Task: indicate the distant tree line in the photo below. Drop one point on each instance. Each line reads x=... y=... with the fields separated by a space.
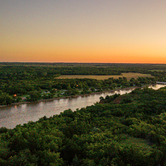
x=32 y=79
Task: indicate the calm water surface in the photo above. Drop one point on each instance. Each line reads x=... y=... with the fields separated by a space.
x=20 y=114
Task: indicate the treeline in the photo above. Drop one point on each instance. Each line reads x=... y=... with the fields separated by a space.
x=41 y=88
x=159 y=75
x=120 y=130
x=34 y=81
x=22 y=71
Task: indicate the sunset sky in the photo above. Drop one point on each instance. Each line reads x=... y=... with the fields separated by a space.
x=106 y=31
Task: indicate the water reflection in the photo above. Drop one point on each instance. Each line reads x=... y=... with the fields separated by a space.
x=20 y=114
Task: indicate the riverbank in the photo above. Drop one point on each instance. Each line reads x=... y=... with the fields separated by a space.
x=75 y=96
x=68 y=97
x=13 y=115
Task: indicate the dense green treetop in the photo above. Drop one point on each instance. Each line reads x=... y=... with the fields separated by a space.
x=118 y=131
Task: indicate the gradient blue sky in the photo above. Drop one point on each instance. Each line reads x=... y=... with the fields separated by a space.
x=115 y=31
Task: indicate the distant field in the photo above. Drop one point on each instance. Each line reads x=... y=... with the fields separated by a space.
x=103 y=77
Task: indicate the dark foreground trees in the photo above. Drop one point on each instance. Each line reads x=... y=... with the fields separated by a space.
x=119 y=131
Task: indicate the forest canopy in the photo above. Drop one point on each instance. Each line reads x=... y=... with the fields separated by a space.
x=120 y=130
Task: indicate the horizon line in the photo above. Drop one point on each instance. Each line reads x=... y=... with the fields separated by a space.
x=86 y=62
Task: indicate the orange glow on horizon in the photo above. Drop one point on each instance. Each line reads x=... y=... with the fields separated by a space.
x=122 y=55
x=83 y=31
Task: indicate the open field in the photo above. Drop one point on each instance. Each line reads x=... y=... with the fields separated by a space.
x=103 y=77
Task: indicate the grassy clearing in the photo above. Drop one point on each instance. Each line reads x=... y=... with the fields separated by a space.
x=103 y=77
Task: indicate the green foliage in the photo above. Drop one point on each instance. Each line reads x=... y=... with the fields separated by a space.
x=5 y=99
x=34 y=96
x=23 y=79
x=104 y=134
x=118 y=131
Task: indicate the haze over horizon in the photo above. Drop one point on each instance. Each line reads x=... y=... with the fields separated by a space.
x=116 y=31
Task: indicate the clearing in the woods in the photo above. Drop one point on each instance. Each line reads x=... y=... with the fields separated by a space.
x=103 y=77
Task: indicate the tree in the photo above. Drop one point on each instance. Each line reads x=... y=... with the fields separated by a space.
x=34 y=96
x=5 y=99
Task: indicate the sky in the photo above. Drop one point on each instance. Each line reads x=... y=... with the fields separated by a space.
x=98 y=31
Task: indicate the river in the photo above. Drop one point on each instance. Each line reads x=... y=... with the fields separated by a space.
x=20 y=114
